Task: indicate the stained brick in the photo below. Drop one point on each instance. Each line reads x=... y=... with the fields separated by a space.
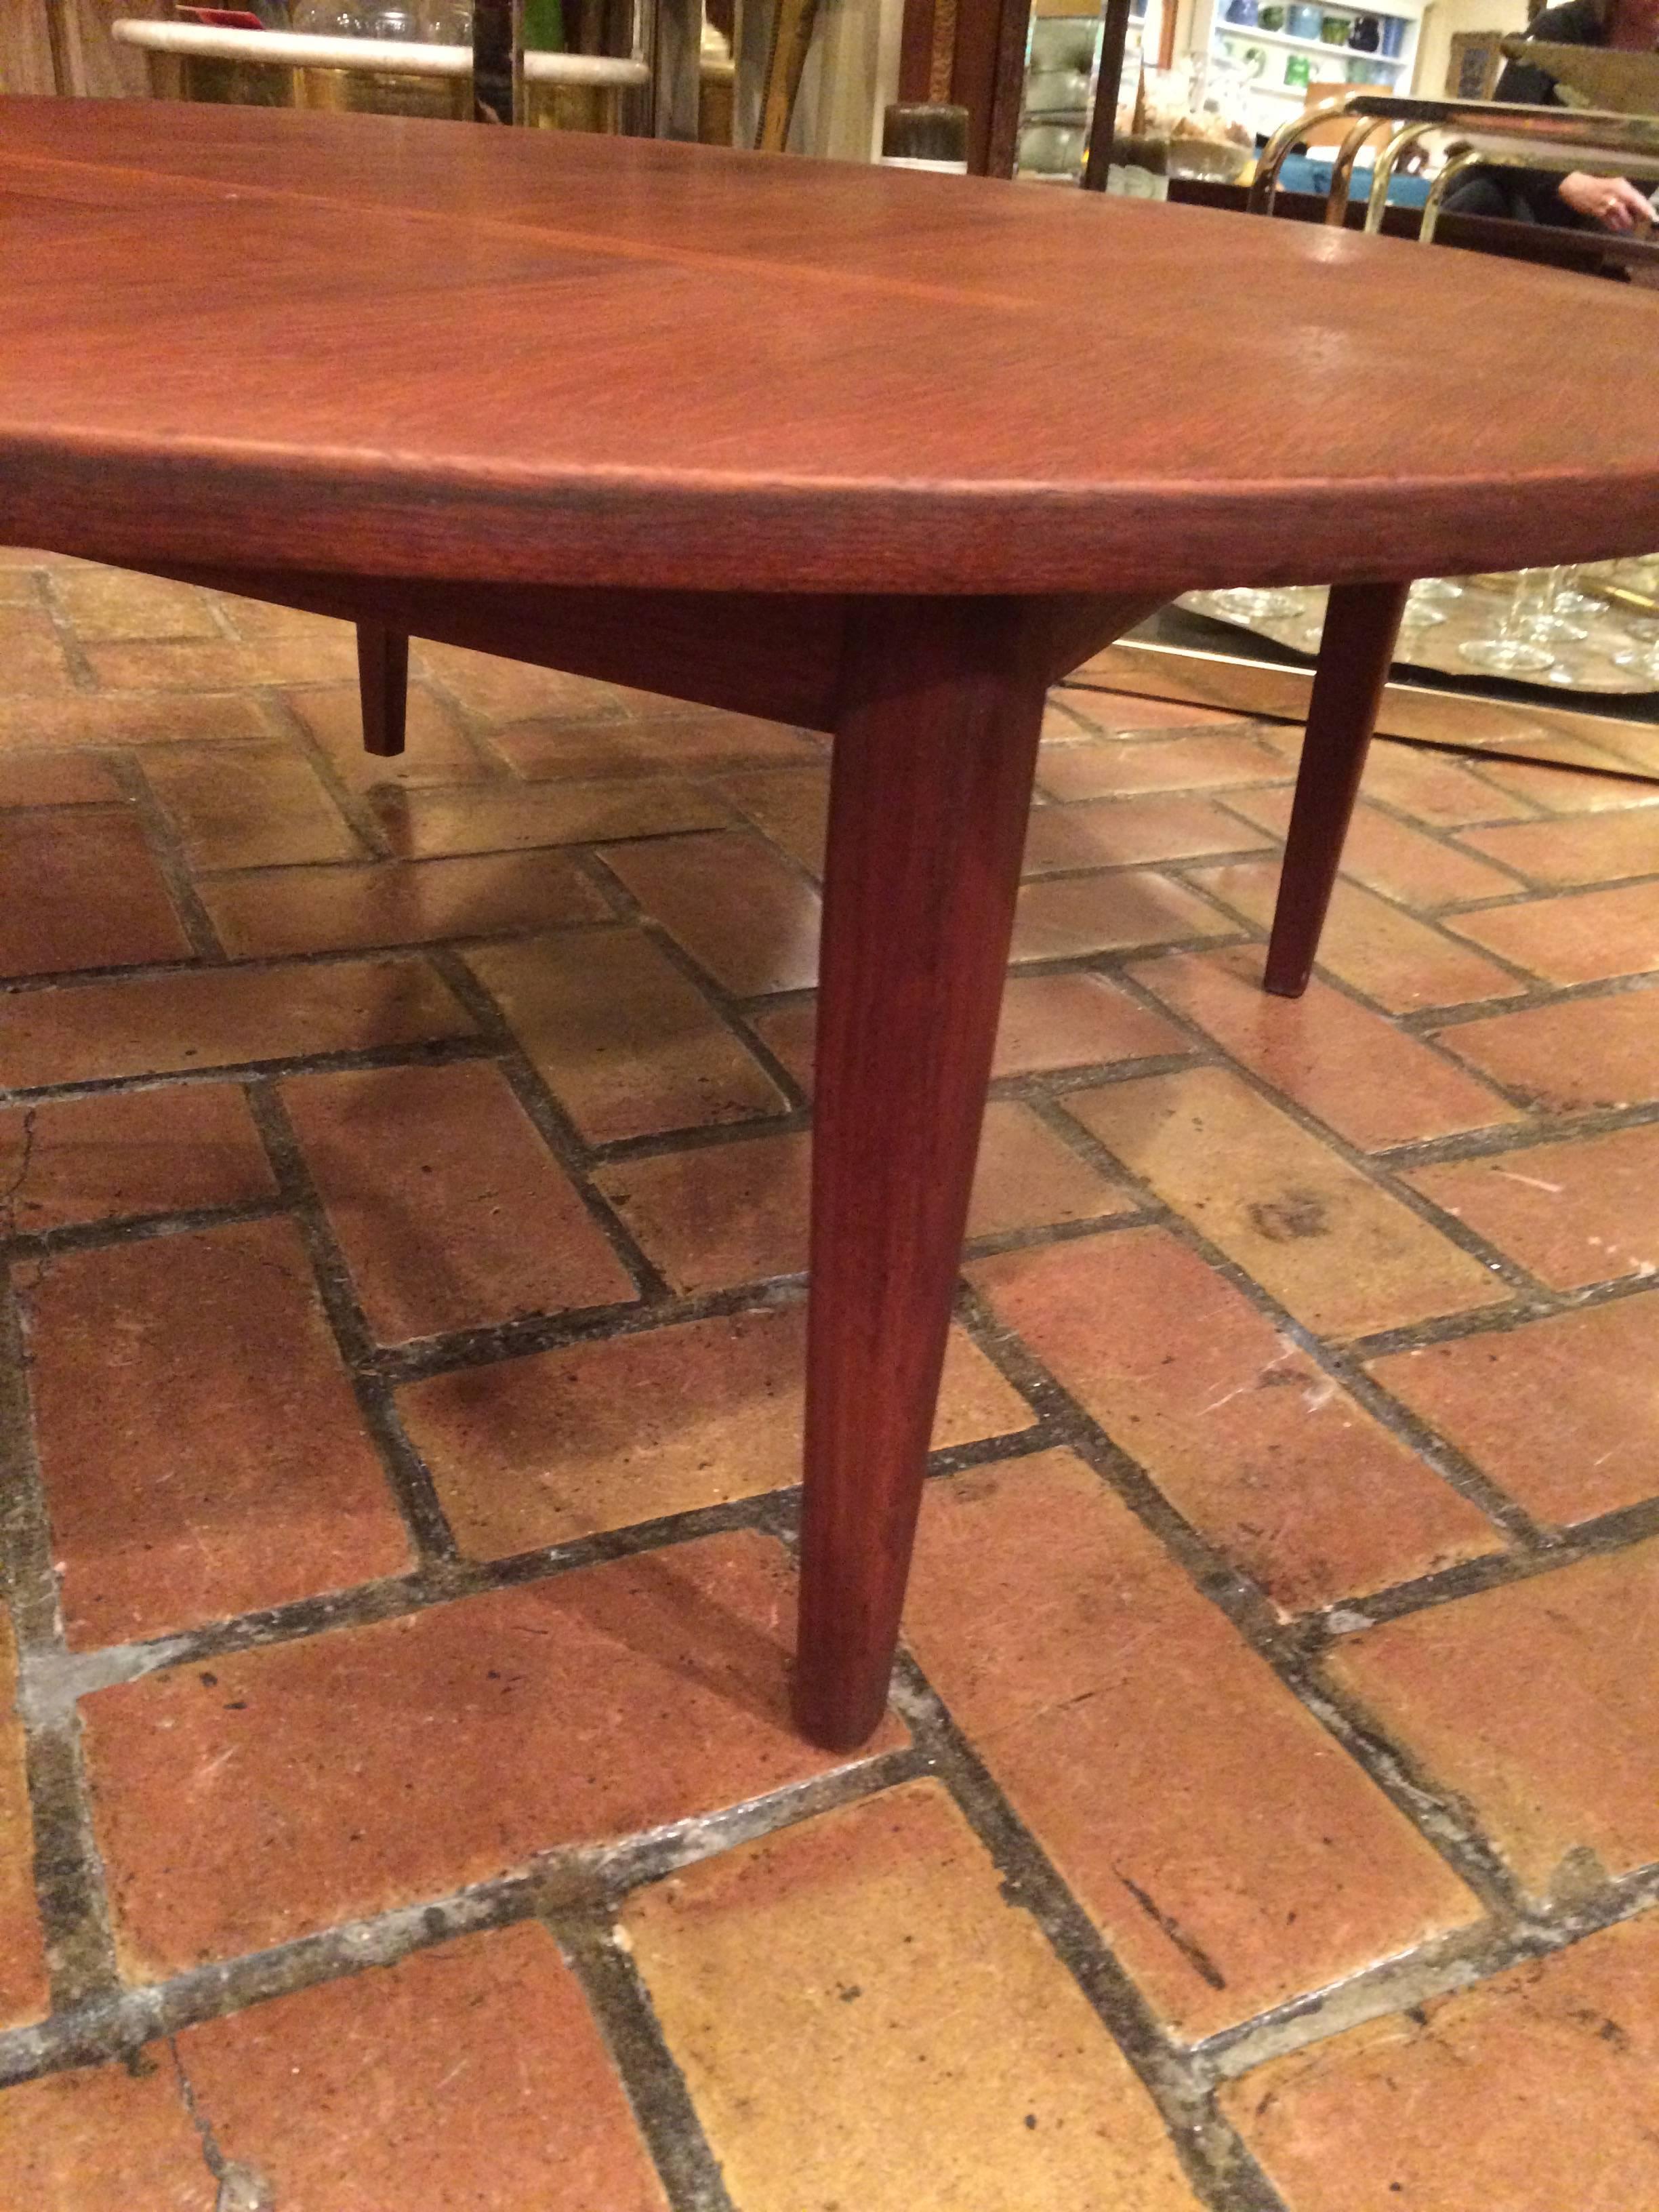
x=1376 y=947
x=200 y=1447
x=737 y=908
x=1536 y=1704
x=1563 y=1413
x=341 y=1774
x=1535 y=2091
x=1270 y=1458
x=1575 y=1054
x=1575 y=1213
x=123 y=1153
x=1343 y=1255
x=905 y=2037
x=1237 y=1858
x=248 y=806
x=386 y=902
x=86 y=893
x=474 y=2066
x=1370 y=1081
x=450 y=1209
x=537 y=1451
x=23 y=1992
x=167 y=1024
x=627 y=1045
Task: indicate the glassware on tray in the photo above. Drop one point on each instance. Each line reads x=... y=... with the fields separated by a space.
x=1513 y=650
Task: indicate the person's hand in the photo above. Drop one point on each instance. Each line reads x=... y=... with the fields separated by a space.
x=1613 y=202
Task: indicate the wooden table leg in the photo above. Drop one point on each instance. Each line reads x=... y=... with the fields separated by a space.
x=1361 y=625
x=383 y=683
x=933 y=761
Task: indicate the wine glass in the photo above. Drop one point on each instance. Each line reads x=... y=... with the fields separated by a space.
x=1251 y=603
x=1512 y=652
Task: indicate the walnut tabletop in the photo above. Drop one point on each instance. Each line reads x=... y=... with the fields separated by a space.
x=879 y=453
x=556 y=357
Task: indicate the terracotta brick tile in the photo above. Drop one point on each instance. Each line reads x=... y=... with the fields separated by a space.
x=1051 y=1022
x=1434 y=788
x=738 y=1213
x=1096 y=771
x=1578 y=938
x=117 y=603
x=1563 y=790
x=438 y=751
x=217 y=664
x=450 y=1209
x=199 y=1444
x=904 y=2037
x=1344 y=1256
x=675 y=744
x=1241 y=1431
x=1574 y=1055
x=737 y=908
x=123 y=1153
x=20 y=587
x=1028 y=1178
x=1371 y=1082
x=131 y=719
x=1534 y=2091
x=1067 y=915
x=1576 y=1213
x=514 y=690
x=388 y=902
x=23 y=1992
x=475 y=2066
x=248 y=806
x=32 y=656
x=1237 y=1858
x=178 y=1023
x=1582 y=848
x=343 y=1774
x=320 y=655
x=107 y=2139
x=790 y=1030
x=1536 y=1702
x=628 y=1046
x=536 y=1450
x=1379 y=949
x=511 y=690
x=792 y=805
x=722 y=1214
x=1105 y=833
x=94 y=898
x=1048 y=1021
x=497 y=817
x=256 y=620
x=1113 y=713
x=56 y=780
x=1563 y=1413
x=1391 y=857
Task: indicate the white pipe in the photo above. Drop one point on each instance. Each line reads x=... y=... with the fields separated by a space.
x=394 y=57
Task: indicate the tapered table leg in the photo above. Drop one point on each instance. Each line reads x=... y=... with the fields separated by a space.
x=933 y=760
x=1361 y=625
x=383 y=683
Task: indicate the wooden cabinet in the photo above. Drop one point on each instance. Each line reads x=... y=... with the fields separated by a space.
x=64 y=45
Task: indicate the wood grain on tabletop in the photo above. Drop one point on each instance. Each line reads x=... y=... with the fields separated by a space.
x=242 y=335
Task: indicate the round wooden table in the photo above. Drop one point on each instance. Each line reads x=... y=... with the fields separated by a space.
x=879 y=453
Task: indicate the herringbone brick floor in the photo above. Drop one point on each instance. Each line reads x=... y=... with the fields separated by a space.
x=403 y=1167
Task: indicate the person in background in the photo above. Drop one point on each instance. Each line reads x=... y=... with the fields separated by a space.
x=1576 y=201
